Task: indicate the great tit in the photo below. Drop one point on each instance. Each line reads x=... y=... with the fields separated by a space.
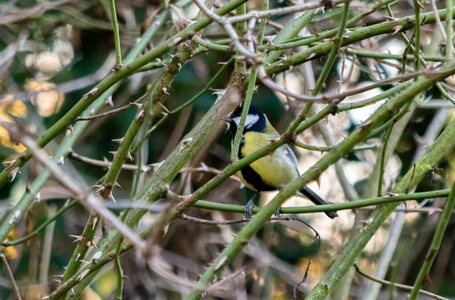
x=271 y=172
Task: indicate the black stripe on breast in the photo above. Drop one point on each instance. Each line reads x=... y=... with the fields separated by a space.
x=252 y=177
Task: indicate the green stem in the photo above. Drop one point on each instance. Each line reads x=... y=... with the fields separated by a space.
x=71 y=116
x=420 y=58
x=359 y=240
x=241 y=27
x=395 y=264
x=92 y=224
x=211 y=46
x=41 y=227
x=119 y=269
x=391 y=56
x=118 y=48
x=417 y=33
x=435 y=244
x=360 y=134
x=449 y=31
x=323 y=48
x=15 y=214
x=193 y=99
x=383 y=95
x=263 y=25
x=383 y=160
x=108 y=256
x=156 y=186
x=83 y=245
x=334 y=51
x=330 y=60
x=121 y=155
x=392 y=121
x=329 y=207
x=385 y=282
x=144 y=113
x=305 y=41
x=328 y=148
x=237 y=165
x=290 y=30
x=246 y=108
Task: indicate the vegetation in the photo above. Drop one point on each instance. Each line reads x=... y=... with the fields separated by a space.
x=118 y=178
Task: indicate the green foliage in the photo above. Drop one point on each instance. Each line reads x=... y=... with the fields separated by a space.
x=130 y=108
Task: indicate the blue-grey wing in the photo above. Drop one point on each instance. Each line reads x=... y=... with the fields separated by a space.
x=292 y=156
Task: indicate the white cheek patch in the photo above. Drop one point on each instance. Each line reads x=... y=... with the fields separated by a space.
x=249 y=122
x=236 y=120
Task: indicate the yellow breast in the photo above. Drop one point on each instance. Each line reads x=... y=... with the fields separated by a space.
x=276 y=169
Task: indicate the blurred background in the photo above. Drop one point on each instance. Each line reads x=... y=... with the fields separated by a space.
x=53 y=52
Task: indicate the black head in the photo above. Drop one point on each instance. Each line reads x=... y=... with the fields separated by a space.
x=255 y=120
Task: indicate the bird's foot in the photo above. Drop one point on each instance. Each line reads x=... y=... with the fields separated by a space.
x=278 y=212
x=249 y=207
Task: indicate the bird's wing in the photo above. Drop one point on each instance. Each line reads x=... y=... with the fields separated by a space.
x=292 y=156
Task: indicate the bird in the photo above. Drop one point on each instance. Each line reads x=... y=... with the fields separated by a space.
x=271 y=172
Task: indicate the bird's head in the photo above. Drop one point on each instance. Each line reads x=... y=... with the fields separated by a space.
x=256 y=120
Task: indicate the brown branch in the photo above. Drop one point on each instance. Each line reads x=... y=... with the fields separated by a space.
x=398 y=285
x=11 y=276
x=111 y=112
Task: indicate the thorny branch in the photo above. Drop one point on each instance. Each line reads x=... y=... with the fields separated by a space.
x=246 y=46
x=78 y=190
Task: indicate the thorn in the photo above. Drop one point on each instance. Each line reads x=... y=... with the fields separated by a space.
x=8 y=163
x=69 y=128
x=99 y=188
x=77 y=238
x=95 y=220
x=15 y=216
x=140 y=116
x=111 y=197
x=90 y=93
x=14 y=173
x=119 y=141
x=390 y=19
x=397 y=29
x=365 y=125
x=109 y=101
x=204 y=167
x=165 y=228
x=91 y=244
x=184 y=142
x=391 y=195
x=364 y=224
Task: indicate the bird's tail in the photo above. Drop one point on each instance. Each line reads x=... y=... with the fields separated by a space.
x=317 y=200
